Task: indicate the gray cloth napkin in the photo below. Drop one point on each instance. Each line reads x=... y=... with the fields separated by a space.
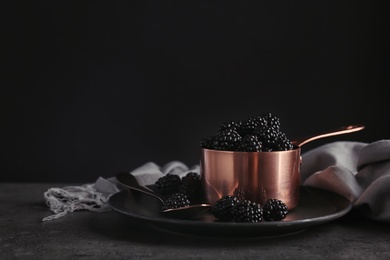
x=358 y=171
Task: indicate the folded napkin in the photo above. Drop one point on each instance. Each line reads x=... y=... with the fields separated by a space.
x=358 y=171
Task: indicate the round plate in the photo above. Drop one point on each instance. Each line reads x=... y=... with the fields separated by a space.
x=315 y=207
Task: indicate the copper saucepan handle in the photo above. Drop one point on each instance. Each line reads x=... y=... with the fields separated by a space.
x=339 y=131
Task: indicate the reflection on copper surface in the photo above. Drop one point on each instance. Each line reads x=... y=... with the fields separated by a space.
x=256 y=176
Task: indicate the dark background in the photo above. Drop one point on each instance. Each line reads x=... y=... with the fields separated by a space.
x=89 y=88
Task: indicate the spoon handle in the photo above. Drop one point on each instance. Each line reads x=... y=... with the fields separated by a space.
x=129 y=181
x=339 y=131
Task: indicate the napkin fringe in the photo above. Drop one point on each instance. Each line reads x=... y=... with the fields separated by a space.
x=72 y=198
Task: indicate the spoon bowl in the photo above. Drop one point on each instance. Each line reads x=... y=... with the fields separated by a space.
x=129 y=181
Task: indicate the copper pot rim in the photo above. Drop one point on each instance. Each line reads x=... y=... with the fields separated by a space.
x=295 y=149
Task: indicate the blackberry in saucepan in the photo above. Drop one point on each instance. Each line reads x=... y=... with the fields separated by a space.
x=247 y=211
x=261 y=121
x=268 y=137
x=273 y=121
x=223 y=208
x=283 y=143
x=227 y=140
x=234 y=125
x=190 y=184
x=208 y=143
x=168 y=184
x=266 y=127
x=274 y=210
x=176 y=200
x=250 y=143
x=248 y=126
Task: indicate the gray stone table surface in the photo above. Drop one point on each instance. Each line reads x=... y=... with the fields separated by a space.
x=110 y=235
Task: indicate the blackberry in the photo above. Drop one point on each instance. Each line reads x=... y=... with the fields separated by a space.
x=248 y=126
x=227 y=140
x=234 y=125
x=190 y=184
x=242 y=193
x=274 y=210
x=176 y=200
x=208 y=143
x=261 y=121
x=272 y=121
x=250 y=143
x=223 y=208
x=268 y=137
x=247 y=211
x=168 y=184
x=283 y=143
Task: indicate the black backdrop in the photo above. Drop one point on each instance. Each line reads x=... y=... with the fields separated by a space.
x=90 y=88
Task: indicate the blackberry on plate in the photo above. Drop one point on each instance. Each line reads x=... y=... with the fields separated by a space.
x=191 y=184
x=176 y=200
x=250 y=143
x=274 y=210
x=247 y=211
x=242 y=193
x=223 y=208
x=168 y=184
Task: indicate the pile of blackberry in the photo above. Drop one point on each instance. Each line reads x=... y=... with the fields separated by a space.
x=178 y=192
x=232 y=208
x=260 y=133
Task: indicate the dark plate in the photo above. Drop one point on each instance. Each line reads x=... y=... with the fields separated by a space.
x=315 y=207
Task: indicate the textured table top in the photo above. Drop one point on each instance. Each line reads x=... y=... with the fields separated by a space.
x=110 y=235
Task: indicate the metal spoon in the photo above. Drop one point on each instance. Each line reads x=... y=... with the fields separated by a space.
x=129 y=181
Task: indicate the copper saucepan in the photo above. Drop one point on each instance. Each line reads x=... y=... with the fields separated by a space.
x=258 y=176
